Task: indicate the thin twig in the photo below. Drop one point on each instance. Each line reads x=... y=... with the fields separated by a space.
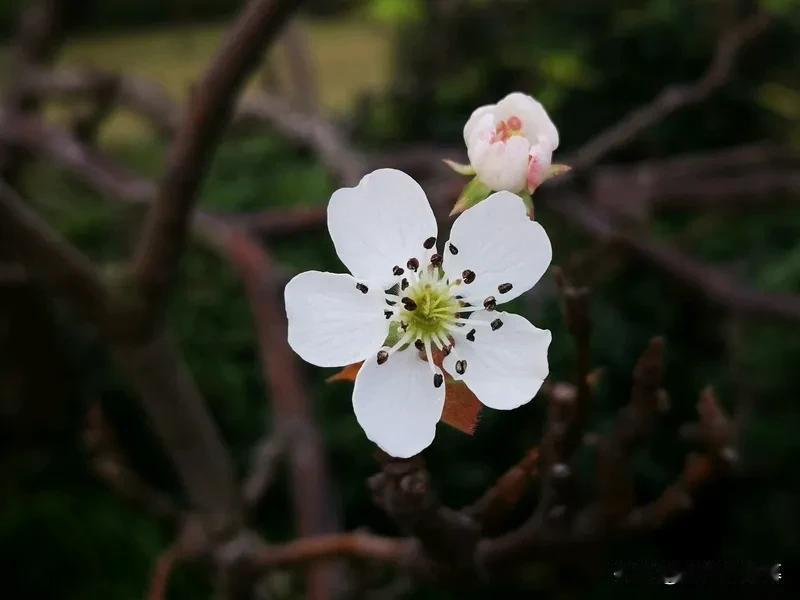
x=673 y=97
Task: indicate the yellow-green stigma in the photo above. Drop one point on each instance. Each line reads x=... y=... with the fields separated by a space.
x=429 y=309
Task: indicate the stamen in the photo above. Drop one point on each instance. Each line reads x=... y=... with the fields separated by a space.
x=453 y=249
x=397 y=271
x=471 y=335
x=436 y=259
x=404 y=284
x=490 y=303
x=362 y=288
x=461 y=366
x=496 y=324
x=468 y=276
x=504 y=288
x=419 y=344
x=438 y=380
x=429 y=243
x=383 y=356
x=412 y=264
x=409 y=304
x=388 y=314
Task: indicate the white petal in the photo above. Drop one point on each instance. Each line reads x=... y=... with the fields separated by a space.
x=504 y=368
x=499 y=243
x=478 y=120
x=500 y=165
x=380 y=224
x=535 y=120
x=331 y=323
x=397 y=404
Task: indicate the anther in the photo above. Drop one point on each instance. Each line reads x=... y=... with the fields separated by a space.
x=383 y=356
x=404 y=284
x=504 y=288
x=419 y=345
x=408 y=303
x=496 y=324
x=429 y=243
x=438 y=380
x=468 y=276
x=471 y=335
x=453 y=249
x=397 y=271
x=446 y=350
x=461 y=366
x=388 y=314
x=490 y=303
x=412 y=264
x=362 y=288
x=436 y=259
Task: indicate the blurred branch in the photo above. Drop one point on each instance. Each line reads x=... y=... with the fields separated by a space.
x=325 y=139
x=266 y=456
x=710 y=281
x=399 y=551
x=64 y=149
x=110 y=465
x=37 y=37
x=42 y=249
x=163 y=239
x=498 y=501
x=672 y=97
x=292 y=406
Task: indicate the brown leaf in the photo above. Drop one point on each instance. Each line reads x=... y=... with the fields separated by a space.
x=348 y=373
x=461 y=407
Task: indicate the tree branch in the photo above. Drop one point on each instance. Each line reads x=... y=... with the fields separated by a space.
x=672 y=97
x=163 y=239
x=46 y=252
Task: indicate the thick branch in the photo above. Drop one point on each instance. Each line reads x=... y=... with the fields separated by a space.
x=178 y=414
x=164 y=236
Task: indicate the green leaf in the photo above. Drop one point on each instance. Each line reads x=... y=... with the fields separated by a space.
x=473 y=192
x=459 y=168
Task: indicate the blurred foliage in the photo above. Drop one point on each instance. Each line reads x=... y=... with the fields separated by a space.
x=589 y=63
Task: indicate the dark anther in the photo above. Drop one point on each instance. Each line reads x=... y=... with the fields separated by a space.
x=468 y=276
x=419 y=345
x=490 y=303
x=362 y=288
x=471 y=335
x=413 y=264
x=429 y=243
x=391 y=302
x=438 y=380
x=496 y=324
x=403 y=325
x=453 y=249
x=404 y=284
x=397 y=271
x=436 y=259
x=504 y=288
x=383 y=356
x=408 y=303
x=446 y=350
x=461 y=366
x=388 y=314
x=459 y=297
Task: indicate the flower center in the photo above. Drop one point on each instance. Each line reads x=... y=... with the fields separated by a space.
x=507 y=129
x=429 y=308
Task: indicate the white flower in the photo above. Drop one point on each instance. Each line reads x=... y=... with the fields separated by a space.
x=510 y=144
x=405 y=300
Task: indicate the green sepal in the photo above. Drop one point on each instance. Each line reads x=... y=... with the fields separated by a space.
x=473 y=192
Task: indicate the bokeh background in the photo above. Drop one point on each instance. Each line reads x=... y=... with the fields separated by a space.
x=398 y=74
